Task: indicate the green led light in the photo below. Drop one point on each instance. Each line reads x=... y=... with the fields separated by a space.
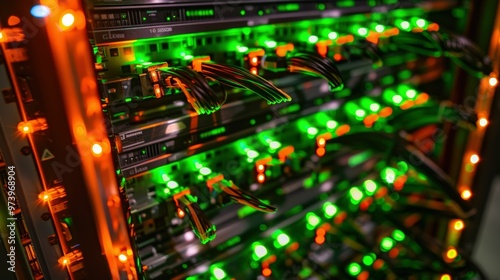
x=188 y=57
x=243 y=12
x=421 y=22
x=356 y=194
x=379 y=28
x=388 y=174
x=128 y=99
x=398 y=235
x=165 y=178
x=205 y=171
x=374 y=107
x=312 y=219
x=362 y=31
x=360 y=113
x=333 y=35
x=252 y=154
x=397 y=99
x=283 y=239
x=386 y=244
x=172 y=185
x=242 y=49
x=288 y=7
x=403 y=166
x=260 y=251
x=313 y=39
x=368 y=260
x=411 y=93
x=405 y=24
x=321 y=7
x=330 y=209
x=370 y=186
x=274 y=145
x=271 y=44
x=312 y=131
x=354 y=269
x=331 y=124
x=261 y=13
x=219 y=273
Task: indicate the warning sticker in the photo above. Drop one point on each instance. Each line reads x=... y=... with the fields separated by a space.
x=47 y=155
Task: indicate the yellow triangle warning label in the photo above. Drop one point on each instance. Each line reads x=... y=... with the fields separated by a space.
x=47 y=155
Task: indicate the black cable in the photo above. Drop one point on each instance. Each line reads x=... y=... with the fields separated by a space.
x=239 y=77
x=315 y=65
x=420 y=116
x=240 y=196
x=201 y=225
x=195 y=87
x=397 y=146
x=364 y=48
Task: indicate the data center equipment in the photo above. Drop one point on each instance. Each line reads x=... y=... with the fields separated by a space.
x=155 y=139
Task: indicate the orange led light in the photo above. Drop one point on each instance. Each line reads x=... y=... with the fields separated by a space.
x=445 y=277
x=253 y=70
x=1 y=35
x=25 y=127
x=321 y=142
x=180 y=213
x=320 y=232
x=266 y=272
x=466 y=194
x=493 y=81
x=68 y=19
x=122 y=258
x=458 y=225
x=63 y=261
x=97 y=150
x=320 y=152
x=319 y=239
x=260 y=167
x=261 y=178
x=483 y=122
x=474 y=159
x=451 y=253
x=254 y=61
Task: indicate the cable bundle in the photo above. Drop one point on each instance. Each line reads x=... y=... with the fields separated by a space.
x=464 y=53
x=459 y=49
x=426 y=115
x=418 y=42
x=364 y=48
x=240 y=196
x=239 y=77
x=195 y=87
x=200 y=224
x=396 y=146
x=315 y=65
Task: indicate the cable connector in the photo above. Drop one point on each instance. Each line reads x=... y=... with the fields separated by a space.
x=197 y=61
x=221 y=185
x=274 y=63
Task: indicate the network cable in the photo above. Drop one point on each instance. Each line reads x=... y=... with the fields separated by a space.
x=201 y=225
x=242 y=197
x=239 y=77
x=307 y=64
x=195 y=87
